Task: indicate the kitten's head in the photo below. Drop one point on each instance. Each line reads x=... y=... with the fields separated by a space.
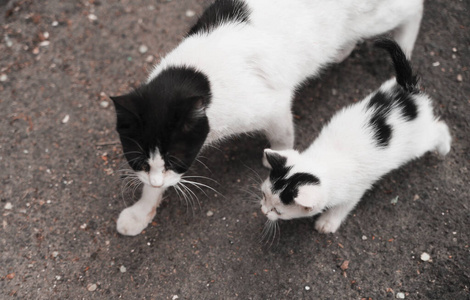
x=290 y=191
x=163 y=124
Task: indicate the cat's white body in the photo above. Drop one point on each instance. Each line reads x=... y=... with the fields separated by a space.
x=255 y=67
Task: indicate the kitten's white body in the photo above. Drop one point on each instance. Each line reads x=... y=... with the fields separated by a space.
x=255 y=67
x=348 y=161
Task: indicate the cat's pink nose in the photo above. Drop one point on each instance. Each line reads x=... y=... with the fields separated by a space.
x=156 y=180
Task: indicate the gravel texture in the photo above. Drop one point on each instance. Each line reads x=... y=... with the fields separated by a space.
x=61 y=192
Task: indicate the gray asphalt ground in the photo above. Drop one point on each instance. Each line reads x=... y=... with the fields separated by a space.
x=61 y=192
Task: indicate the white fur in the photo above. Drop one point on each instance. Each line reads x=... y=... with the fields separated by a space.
x=347 y=160
x=254 y=68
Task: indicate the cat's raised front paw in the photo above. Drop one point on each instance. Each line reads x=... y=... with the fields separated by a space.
x=133 y=220
x=327 y=224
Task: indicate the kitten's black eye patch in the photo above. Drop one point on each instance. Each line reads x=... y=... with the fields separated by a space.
x=289 y=187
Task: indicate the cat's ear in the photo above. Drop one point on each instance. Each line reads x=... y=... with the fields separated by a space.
x=125 y=103
x=198 y=105
x=127 y=112
x=310 y=196
x=275 y=159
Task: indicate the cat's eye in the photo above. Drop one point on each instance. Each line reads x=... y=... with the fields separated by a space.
x=145 y=167
x=275 y=210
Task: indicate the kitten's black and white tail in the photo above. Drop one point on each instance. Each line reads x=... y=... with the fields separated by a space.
x=404 y=72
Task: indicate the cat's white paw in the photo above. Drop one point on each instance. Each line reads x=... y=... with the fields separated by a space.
x=133 y=220
x=327 y=224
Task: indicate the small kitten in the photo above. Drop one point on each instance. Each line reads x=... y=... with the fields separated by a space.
x=236 y=71
x=362 y=143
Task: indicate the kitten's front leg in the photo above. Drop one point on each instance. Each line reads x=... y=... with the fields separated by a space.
x=135 y=218
x=330 y=220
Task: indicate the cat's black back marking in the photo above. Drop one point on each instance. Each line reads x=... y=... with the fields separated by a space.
x=165 y=114
x=400 y=97
x=288 y=186
x=219 y=12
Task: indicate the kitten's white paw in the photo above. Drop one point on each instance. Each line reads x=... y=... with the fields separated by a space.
x=327 y=224
x=133 y=220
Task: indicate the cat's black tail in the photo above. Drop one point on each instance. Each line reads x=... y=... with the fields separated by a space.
x=404 y=72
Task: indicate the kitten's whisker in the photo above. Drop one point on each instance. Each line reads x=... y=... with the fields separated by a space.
x=256 y=173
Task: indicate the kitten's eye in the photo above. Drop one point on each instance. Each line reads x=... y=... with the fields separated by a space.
x=307 y=209
x=275 y=210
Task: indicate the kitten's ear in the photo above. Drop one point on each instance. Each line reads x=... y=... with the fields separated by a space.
x=125 y=103
x=310 y=196
x=275 y=159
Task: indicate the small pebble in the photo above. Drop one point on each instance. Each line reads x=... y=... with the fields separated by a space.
x=36 y=51
x=454 y=49
x=104 y=104
x=143 y=49
x=55 y=23
x=334 y=92
x=122 y=269
x=364 y=238
x=174 y=297
x=149 y=59
x=65 y=119
x=44 y=43
x=190 y=13
x=92 y=287
x=400 y=295
x=425 y=256
x=210 y=213
x=83 y=226
x=436 y=64
x=307 y=288
x=92 y=17
x=55 y=253
x=3 y=77
x=30 y=266
x=46 y=35
x=8 y=41
x=8 y=206
x=459 y=77
x=58 y=277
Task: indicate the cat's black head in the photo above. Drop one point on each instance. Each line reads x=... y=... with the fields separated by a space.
x=163 y=124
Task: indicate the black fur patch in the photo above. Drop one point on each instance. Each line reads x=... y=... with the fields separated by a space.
x=167 y=114
x=403 y=70
x=289 y=187
x=383 y=104
x=219 y=12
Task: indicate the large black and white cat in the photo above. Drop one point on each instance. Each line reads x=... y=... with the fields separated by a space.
x=236 y=71
x=361 y=143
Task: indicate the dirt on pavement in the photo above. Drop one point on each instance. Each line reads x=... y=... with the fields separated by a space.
x=61 y=191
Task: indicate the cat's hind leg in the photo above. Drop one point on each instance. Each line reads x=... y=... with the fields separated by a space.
x=344 y=52
x=406 y=33
x=135 y=218
x=444 y=138
x=280 y=134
